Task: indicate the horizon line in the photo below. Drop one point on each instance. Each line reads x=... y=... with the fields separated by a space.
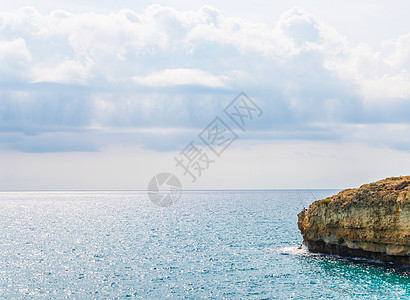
x=145 y=190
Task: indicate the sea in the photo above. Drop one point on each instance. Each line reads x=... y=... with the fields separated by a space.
x=222 y=244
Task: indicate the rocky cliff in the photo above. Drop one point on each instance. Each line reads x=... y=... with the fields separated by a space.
x=372 y=221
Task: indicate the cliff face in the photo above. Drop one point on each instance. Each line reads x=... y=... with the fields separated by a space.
x=372 y=221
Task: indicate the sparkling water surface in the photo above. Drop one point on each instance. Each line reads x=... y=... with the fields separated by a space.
x=211 y=244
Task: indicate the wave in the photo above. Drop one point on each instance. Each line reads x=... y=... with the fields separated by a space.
x=293 y=250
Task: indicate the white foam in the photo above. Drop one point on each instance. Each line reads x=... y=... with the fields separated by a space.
x=293 y=250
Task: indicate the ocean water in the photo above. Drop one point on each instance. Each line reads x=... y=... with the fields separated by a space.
x=211 y=244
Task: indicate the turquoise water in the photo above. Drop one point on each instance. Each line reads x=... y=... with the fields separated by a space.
x=211 y=244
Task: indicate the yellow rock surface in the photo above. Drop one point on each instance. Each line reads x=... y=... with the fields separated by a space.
x=372 y=221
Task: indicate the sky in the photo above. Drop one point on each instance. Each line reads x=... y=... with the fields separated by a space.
x=104 y=95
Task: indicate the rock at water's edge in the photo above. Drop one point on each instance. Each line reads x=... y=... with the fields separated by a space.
x=372 y=221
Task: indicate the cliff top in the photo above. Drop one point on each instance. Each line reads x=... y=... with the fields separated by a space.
x=389 y=189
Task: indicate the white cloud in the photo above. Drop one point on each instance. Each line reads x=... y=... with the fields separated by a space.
x=15 y=60
x=14 y=50
x=386 y=86
x=300 y=70
x=380 y=74
x=171 y=77
x=210 y=26
x=67 y=72
x=176 y=47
